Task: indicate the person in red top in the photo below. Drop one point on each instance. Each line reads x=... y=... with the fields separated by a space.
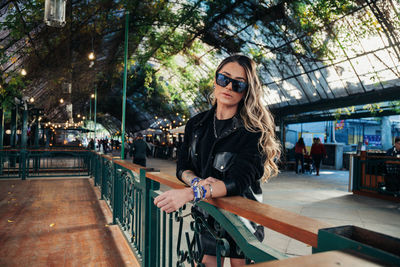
x=317 y=152
x=299 y=151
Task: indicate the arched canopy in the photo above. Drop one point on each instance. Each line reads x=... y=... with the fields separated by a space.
x=313 y=55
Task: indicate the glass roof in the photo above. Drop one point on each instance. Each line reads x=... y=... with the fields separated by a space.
x=310 y=53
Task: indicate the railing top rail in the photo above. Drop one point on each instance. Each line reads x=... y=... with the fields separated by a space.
x=58 y=150
x=47 y=150
x=128 y=164
x=376 y=157
x=291 y=224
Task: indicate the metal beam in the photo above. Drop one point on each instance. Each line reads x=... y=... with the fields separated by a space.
x=330 y=117
x=387 y=94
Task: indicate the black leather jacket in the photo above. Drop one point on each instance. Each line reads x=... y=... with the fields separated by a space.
x=234 y=157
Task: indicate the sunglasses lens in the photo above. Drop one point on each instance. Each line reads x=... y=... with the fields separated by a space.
x=237 y=86
x=222 y=80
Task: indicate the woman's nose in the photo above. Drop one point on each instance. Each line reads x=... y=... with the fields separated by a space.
x=229 y=86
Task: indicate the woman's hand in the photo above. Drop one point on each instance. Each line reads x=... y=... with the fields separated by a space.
x=172 y=200
x=209 y=180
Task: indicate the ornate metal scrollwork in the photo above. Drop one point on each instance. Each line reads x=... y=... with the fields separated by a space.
x=127 y=201
x=200 y=225
x=109 y=180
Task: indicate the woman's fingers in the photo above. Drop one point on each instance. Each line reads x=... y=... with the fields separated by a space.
x=211 y=180
x=171 y=200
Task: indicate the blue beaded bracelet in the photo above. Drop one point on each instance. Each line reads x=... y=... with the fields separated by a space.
x=199 y=193
x=195 y=181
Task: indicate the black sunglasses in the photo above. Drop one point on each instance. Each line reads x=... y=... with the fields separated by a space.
x=237 y=86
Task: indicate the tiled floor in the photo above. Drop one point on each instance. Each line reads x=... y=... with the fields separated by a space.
x=325 y=198
x=58 y=222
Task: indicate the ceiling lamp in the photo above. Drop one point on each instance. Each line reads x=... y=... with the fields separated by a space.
x=91 y=56
x=54 y=12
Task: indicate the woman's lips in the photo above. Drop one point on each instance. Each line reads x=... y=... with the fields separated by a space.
x=226 y=95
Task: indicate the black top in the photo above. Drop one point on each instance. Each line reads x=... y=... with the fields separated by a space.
x=139 y=149
x=233 y=157
x=220 y=127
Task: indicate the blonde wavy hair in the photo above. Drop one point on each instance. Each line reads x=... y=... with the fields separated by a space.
x=256 y=117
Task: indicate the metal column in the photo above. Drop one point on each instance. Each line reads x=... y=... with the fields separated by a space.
x=24 y=132
x=125 y=84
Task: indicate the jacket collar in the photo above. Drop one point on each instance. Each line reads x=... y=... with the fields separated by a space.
x=237 y=121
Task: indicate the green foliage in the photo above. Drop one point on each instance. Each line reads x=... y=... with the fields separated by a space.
x=395 y=105
x=373 y=108
x=10 y=89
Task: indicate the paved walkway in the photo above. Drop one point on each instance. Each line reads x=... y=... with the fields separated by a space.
x=58 y=222
x=325 y=198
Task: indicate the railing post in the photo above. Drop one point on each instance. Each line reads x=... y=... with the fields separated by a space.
x=24 y=132
x=1 y=138
x=13 y=136
x=103 y=178
x=151 y=225
x=22 y=163
x=117 y=194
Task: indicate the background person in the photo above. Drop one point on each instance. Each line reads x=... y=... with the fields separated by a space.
x=392 y=175
x=395 y=150
x=139 y=150
x=317 y=153
x=299 y=152
x=227 y=150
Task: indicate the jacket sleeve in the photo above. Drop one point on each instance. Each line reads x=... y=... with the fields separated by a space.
x=248 y=167
x=183 y=160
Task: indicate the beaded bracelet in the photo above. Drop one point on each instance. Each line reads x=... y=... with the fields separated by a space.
x=199 y=193
x=195 y=181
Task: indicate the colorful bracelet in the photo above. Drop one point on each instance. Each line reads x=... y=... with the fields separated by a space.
x=195 y=181
x=199 y=193
x=210 y=189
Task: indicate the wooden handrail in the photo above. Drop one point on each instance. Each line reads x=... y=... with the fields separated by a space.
x=47 y=150
x=291 y=224
x=128 y=164
x=288 y=223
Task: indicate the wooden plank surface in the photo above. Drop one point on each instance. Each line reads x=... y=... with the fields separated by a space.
x=325 y=259
x=58 y=222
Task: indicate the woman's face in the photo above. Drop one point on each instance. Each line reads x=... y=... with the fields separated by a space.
x=225 y=95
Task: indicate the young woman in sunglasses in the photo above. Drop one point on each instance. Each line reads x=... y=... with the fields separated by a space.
x=227 y=150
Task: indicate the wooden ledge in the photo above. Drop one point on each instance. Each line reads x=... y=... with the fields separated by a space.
x=129 y=165
x=166 y=179
x=296 y=226
x=327 y=259
x=291 y=224
x=106 y=156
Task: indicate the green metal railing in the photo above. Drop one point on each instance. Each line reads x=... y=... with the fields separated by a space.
x=160 y=239
x=9 y=163
x=21 y=163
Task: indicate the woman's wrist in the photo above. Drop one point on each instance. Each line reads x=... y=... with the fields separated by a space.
x=189 y=194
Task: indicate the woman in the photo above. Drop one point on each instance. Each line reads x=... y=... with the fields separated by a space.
x=231 y=147
x=317 y=152
x=299 y=152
